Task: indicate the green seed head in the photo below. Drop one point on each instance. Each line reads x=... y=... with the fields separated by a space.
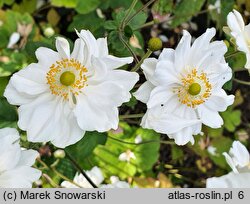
x=67 y=78
x=155 y=44
x=194 y=89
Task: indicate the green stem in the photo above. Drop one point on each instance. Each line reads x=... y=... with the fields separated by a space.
x=138 y=65
x=131 y=116
x=123 y=23
x=139 y=10
x=65 y=178
x=231 y=54
x=79 y=169
x=128 y=47
x=141 y=143
x=50 y=181
x=150 y=23
x=242 y=82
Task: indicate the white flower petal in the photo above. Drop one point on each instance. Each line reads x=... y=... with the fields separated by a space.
x=62 y=46
x=219 y=101
x=210 y=117
x=14 y=38
x=182 y=51
x=78 y=51
x=230 y=180
x=46 y=57
x=143 y=93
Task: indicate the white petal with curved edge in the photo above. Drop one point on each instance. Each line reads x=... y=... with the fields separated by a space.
x=125 y=79
x=78 y=51
x=159 y=95
x=182 y=51
x=14 y=38
x=183 y=136
x=20 y=177
x=30 y=80
x=230 y=162
x=46 y=57
x=62 y=46
x=148 y=66
x=14 y=97
x=200 y=44
x=209 y=117
x=240 y=154
x=167 y=54
x=28 y=157
x=235 y=22
x=102 y=44
x=166 y=73
x=101 y=118
x=219 y=101
x=113 y=62
x=230 y=180
x=143 y=93
x=166 y=123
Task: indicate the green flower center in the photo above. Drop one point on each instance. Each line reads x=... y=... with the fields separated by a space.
x=67 y=78
x=194 y=89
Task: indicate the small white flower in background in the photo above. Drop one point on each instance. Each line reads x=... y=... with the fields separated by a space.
x=217 y=6
x=238 y=159
x=14 y=38
x=127 y=156
x=241 y=33
x=95 y=174
x=138 y=139
x=64 y=95
x=15 y=163
x=116 y=183
x=212 y=150
x=1 y=23
x=184 y=88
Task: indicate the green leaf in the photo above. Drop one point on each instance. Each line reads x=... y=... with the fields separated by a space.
x=185 y=10
x=3 y=83
x=221 y=17
x=232 y=119
x=8 y=114
x=218 y=158
x=66 y=168
x=176 y=152
x=86 y=145
x=86 y=21
x=110 y=25
x=86 y=6
x=65 y=3
x=163 y=6
x=28 y=6
x=107 y=156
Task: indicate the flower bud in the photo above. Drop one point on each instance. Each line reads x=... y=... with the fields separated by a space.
x=155 y=44
x=59 y=154
x=48 y=32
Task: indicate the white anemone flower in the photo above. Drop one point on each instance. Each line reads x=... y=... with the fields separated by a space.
x=15 y=163
x=64 y=95
x=116 y=183
x=95 y=174
x=239 y=160
x=241 y=33
x=184 y=88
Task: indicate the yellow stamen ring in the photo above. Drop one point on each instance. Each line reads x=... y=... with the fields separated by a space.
x=67 y=76
x=195 y=89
